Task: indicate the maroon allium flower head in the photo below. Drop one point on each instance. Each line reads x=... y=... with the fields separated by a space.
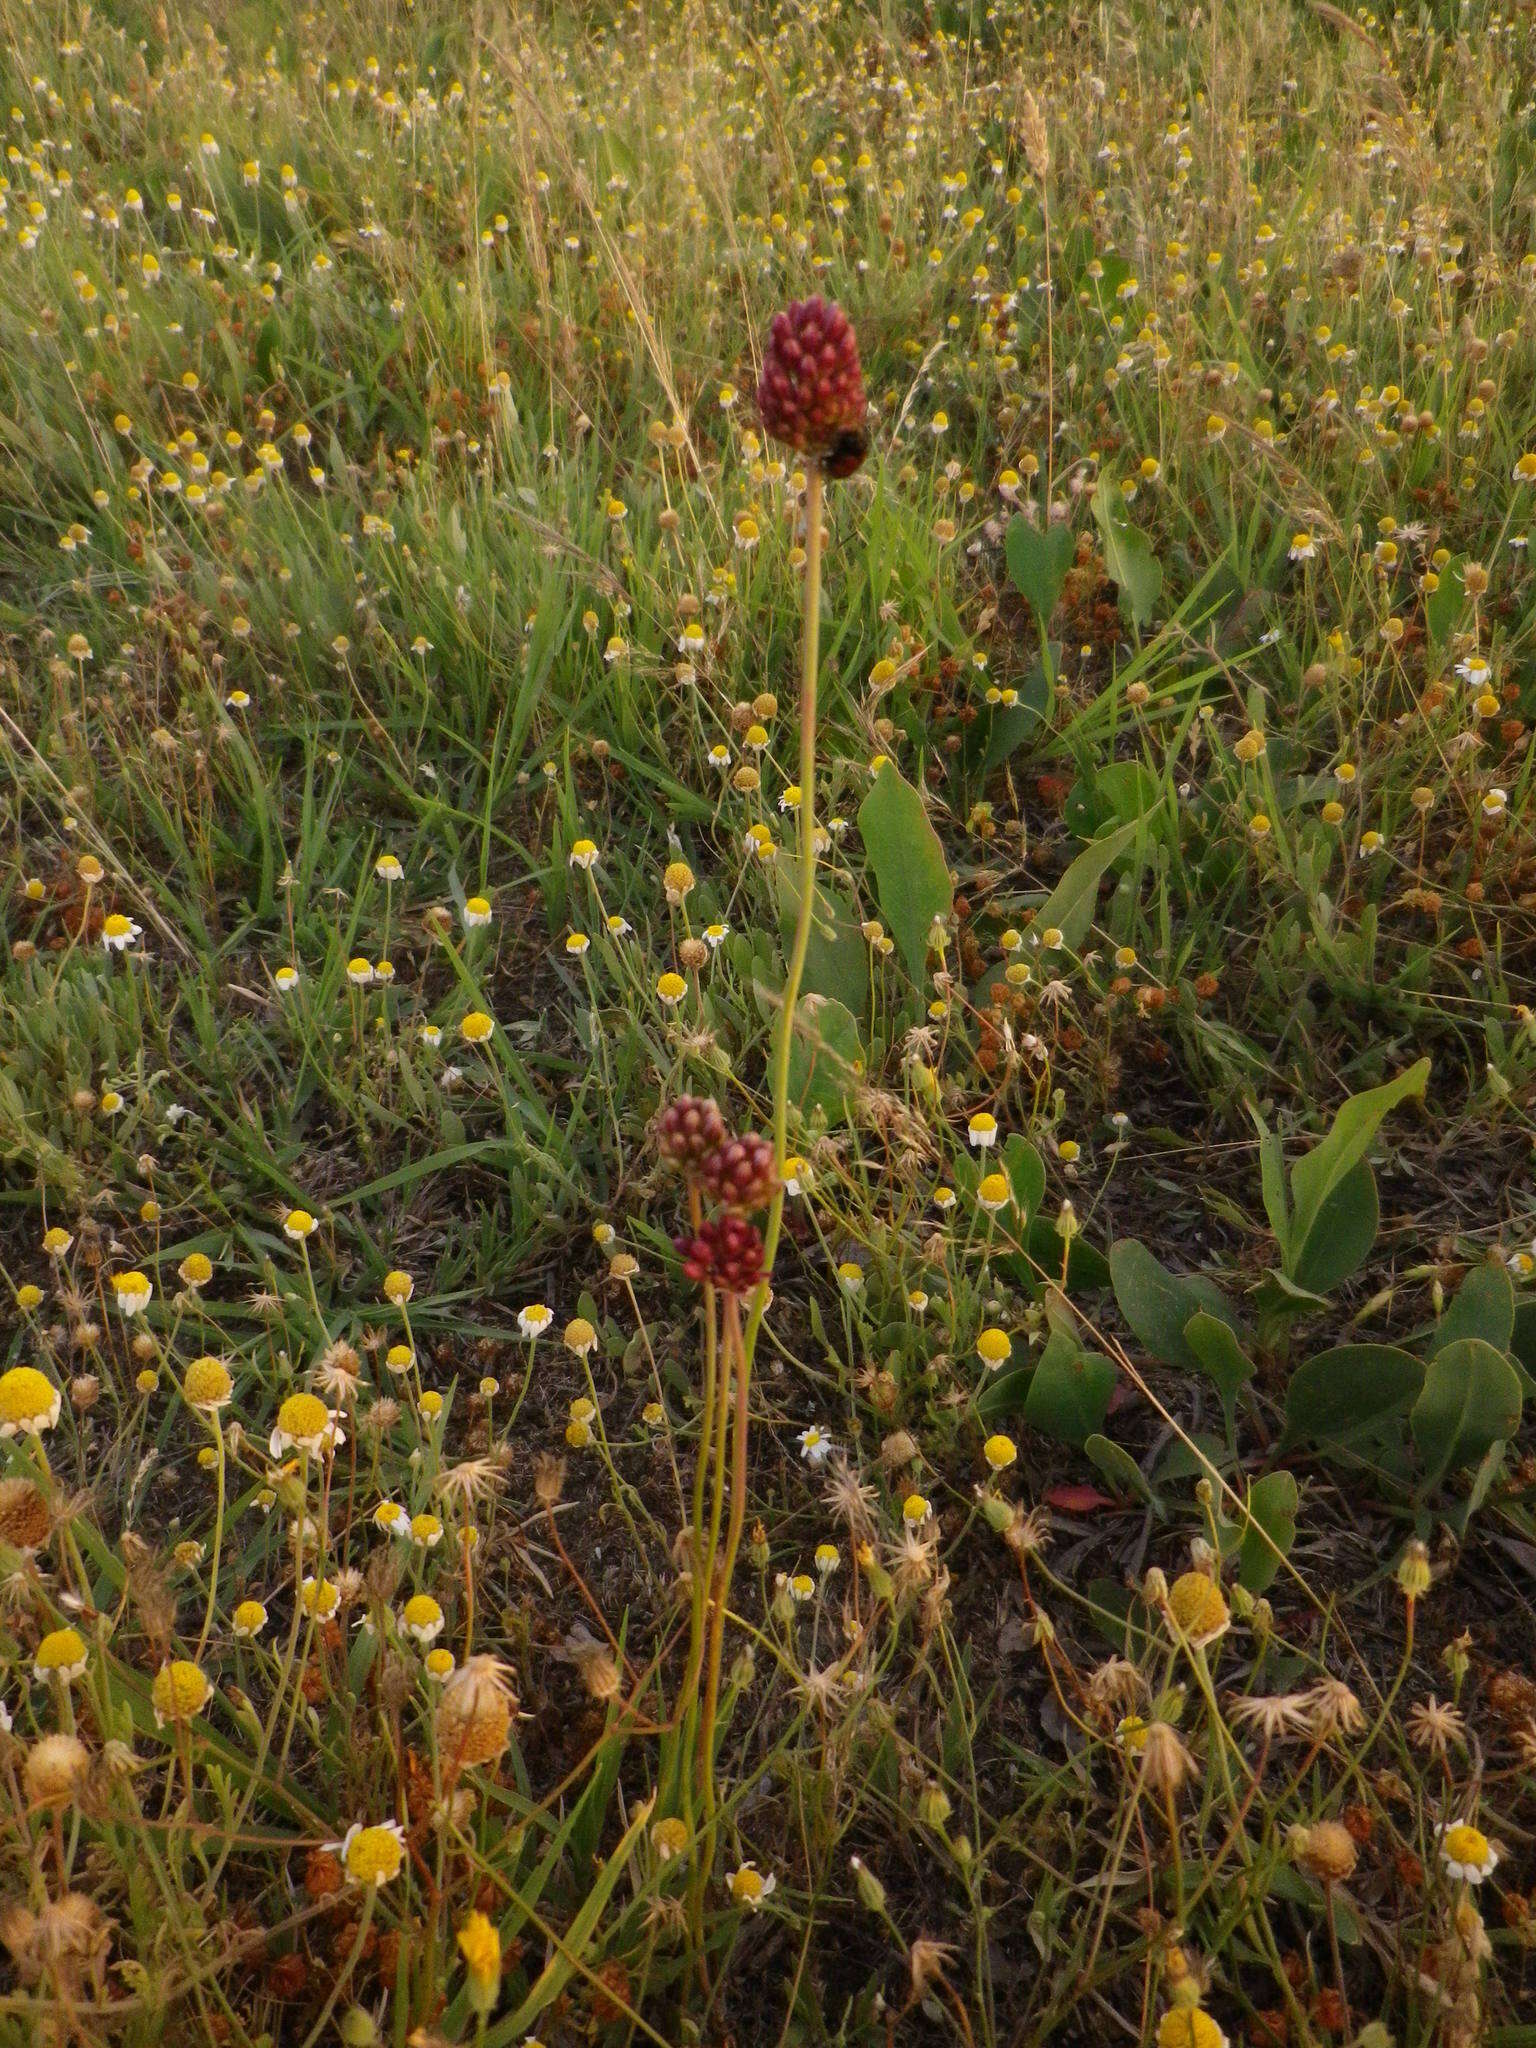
x=727 y=1252
x=689 y=1130
x=741 y=1175
x=811 y=394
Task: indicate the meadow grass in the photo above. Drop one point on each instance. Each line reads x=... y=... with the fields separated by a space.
x=1088 y=1598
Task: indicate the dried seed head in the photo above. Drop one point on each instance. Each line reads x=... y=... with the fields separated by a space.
x=25 y=1522
x=1326 y=1851
x=548 y=1479
x=1165 y=1761
x=474 y=1716
x=1037 y=151
x=55 y=1770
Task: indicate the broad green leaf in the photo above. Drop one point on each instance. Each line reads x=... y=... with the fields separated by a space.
x=1350 y=1393
x=1070 y=905
x=1522 y=1343
x=911 y=874
x=1038 y=561
x=1272 y=1177
x=1484 y=1307
x=1342 y=1236
x=1314 y=1178
x=826 y=1057
x=1471 y=1399
x=1026 y=1174
x=1087 y=1268
x=837 y=954
x=1128 y=557
x=1120 y=1471
x=1158 y=1304
x=1272 y=1503
x=998 y=734
x=1444 y=606
x=1069 y=1392
x=1221 y=1358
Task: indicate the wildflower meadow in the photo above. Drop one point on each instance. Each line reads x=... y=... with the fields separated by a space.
x=767 y=1024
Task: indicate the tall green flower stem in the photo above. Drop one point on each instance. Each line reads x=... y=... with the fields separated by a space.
x=740 y=1347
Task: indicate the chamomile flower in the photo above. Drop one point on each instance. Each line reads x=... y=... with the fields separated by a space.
x=133 y=1293
x=422 y=1618
x=61 y=1654
x=304 y=1423
x=815 y=1444
x=249 y=1619
x=372 y=1855
x=534 y=1320
x=749 y=1887
x=29 y=1402
x=1467 y=1853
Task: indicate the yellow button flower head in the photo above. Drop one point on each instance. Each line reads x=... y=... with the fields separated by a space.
x=372 y=1855
x=249 y=1618
x=207 y=1384
x=1189 y=2026
x=118 y=933
x=426 y=1530
x=477 y=913
x=179 y=1692
x=195 y=1270
x=477 y=1027
x=398 y=1288
x=304 y=1423
x=133 y=1292
x=677 y=881
x=994 y=1192
x=1467 y=1852
x=915 y=1510
x=580 y=1336
x=993 y=1348
x=535 y=1319
x=1198 y=1608
x=56 y=1242
x=438 y=1665
x=298 y=1224
x=422 y=1617
x=981 y=1131
x=749 y=1887
x=319 y=1597
x=388 y=868
x=61 y=1655
x=669 y=1837
x=480 y=1946
x=1000 y=1452
x=671 y=988
x=29 y=1402
x=584 y=854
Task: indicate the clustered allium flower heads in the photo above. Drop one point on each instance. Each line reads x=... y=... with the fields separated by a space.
x=689 y=1131
x=811 y=394
x=738 y=1174
x=741 y=1173
x=726 y=1252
